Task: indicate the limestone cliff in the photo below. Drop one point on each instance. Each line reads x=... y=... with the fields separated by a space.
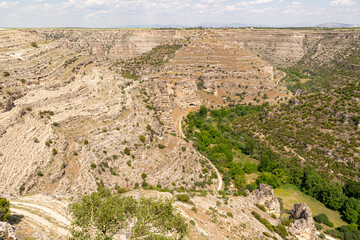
x=303 y=226
x=264 y=195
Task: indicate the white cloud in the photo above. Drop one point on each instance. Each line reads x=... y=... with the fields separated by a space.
x=241 y=5
x=213 y=1
x=261 y=1
x=91 y=3
x=102 y=13
x=7 y=5
x=263 y=10
x=342 y=3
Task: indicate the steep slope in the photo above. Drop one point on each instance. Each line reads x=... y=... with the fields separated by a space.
x=208 y=216
x=84 y=129
x=212 y=72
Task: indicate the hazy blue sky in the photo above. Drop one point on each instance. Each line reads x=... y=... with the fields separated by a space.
x=111 y=13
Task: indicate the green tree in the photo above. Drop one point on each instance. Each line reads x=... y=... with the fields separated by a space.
x=352 y=189
x=351 y=210
x=313 y=183
x=332 y=195
x=235 y=169
x=250 y=168
x=101 y=215
x=4 y=209
x=203 y=112
x=268 y=178
x=240 y=182
x=265 y=163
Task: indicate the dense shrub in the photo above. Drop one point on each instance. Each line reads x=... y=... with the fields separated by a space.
x=265 y=222
x=348 y=232
x=281 y=230
x=183 y=198
x=34 y=44
x=323 y=218
x=127 y=151
x=318 y=226
x=250 y=168
x=268 y=178
x=351 y=210
x=4 y=209
x=54 y=151
x=251 y=187
x=142 y=138
x=261 y=207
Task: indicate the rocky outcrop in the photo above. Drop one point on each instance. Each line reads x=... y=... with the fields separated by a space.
x=6 y=103
x=7 y=231
x=264 y=195
x=303 y=226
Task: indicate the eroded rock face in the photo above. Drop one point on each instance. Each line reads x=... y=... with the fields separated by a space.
x=7 y=231
x=303 y=226
x=264 y=195
x=6 y=103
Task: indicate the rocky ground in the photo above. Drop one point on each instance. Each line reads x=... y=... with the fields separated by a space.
x=70 y=120
x=210 y=217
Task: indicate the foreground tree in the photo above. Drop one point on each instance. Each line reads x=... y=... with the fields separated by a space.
x=4 y=209
x=102 y=215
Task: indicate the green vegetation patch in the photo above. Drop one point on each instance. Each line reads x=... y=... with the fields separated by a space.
x=101 y=214
x=291 y=194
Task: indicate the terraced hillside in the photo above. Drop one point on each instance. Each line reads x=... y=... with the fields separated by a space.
x=209 y=71
x=82 y=110
x=83 y=125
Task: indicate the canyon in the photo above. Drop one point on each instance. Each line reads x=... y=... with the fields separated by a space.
x=76 y=114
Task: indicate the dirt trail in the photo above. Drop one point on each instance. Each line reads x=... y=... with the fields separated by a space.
x=327 y=237
x=45 y=213
x=40 y=221
x=50 y=212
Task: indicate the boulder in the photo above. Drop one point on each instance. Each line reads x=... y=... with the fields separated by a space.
x=264 y=195
x=298 y=92
x=303 y=226
x=6 y=103
x=7 y=232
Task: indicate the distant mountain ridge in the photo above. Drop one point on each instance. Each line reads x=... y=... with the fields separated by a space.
x=220 y=25
x=215 y=25
x=336 y=25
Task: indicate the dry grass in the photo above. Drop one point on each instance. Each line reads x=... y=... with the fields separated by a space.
x=251 y=177
x=290 y=195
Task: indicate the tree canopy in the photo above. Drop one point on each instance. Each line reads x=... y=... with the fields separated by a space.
x=101 y=215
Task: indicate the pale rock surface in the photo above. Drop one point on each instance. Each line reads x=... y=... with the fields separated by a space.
x=264 y=195
x=303 y=226
x=7 y=231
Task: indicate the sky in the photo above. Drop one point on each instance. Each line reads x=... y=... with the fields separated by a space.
x=117 y=13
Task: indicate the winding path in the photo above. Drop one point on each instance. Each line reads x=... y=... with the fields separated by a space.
x=217 y=171
x=59 y=217
x=40 y=220
x=327 y=237
x=47 y=214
